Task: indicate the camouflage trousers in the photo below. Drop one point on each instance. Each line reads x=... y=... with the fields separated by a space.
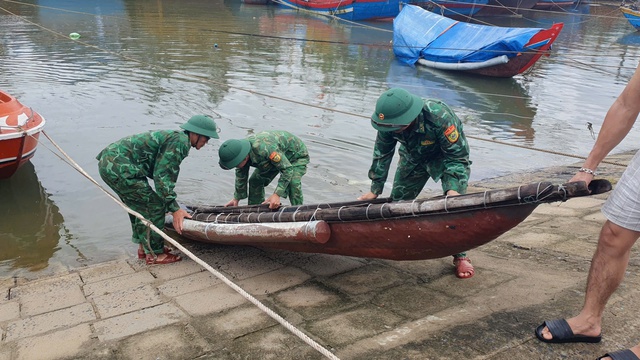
x=409 y=182
x=137 y=194
x=261 y=179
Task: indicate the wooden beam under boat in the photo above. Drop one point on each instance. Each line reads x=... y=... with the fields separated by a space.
x=396 y=230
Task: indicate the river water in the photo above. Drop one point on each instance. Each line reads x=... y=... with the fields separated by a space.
x=145 y=65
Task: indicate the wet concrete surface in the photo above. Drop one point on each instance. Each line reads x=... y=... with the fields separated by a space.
x=355 y=308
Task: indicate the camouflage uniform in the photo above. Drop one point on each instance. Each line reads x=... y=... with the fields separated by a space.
x=433 y=147
x=273 y=152
x=126 y=165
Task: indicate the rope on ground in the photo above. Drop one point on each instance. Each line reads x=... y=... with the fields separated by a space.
x=219 y=275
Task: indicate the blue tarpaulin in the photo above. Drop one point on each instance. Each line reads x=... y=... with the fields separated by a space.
x=418 y=33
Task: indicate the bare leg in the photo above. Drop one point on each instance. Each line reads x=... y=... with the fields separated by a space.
x=605 y=275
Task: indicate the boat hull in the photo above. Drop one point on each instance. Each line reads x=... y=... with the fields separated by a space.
x=436 y=41
x=411 y=238
x=354 y=10
x=381 y=228
x=20 y=129
x=524 y=61
x=633 y=16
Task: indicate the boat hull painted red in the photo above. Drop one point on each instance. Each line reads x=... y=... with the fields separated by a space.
x=411 y=238
x=20 y=129
x=524 y=61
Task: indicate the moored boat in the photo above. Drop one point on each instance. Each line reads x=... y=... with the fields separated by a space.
x=395 y=230
x=632 y=14
x=355 y=10
x=20 y=128
x=435 y=41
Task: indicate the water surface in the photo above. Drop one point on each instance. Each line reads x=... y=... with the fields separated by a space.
x=147 y=65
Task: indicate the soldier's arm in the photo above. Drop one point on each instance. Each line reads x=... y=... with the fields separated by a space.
x=455 y=150
x=383 y=150
x=242 y=178
x=167 y=169
x=282 y=163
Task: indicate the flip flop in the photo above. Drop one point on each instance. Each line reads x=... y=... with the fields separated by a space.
x=620 y=355
x=142 y=255
x=463 y=265
x=170 y=258
x=562 y=333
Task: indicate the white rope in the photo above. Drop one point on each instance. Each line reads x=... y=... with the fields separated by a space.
x=219 y=275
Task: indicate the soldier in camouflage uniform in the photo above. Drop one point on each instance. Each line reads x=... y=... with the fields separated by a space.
x=271 y=153
x=432 y=145
x=127 y=164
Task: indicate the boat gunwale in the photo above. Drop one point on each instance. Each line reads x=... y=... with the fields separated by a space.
x=533 y=193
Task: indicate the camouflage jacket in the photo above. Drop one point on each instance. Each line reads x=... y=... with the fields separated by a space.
x=436 y=140
x=271 y=150
x=156 y=155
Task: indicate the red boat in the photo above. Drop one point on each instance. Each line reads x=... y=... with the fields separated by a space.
x=395 y=230
x=20 y=128
x=426 y=38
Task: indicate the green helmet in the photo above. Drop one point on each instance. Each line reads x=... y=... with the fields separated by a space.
x=201 y=125
x=396 y=108
x=232 y=152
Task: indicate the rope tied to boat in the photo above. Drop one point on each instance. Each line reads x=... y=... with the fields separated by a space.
x=313 y=216
x=340 y=209
x=563 y=189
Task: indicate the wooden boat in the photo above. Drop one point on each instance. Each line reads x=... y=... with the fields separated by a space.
x=20 y=128
x=355 y=10
x=435 y=41
x=632 y=14
x=452 y=8
x=396 y=230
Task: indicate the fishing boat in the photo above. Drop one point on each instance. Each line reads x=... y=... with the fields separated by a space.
x=435 y=41
x=452 y=8
x=355 y=10
x=632 y=14
x=20 y=128
x=396 y=230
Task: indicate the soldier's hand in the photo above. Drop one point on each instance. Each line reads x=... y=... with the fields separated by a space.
x=452 y=193
x=178 y=217
x=368 y=196
x=233 y=202
x=273 y=201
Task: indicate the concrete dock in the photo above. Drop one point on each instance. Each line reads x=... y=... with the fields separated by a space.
x=355 y=308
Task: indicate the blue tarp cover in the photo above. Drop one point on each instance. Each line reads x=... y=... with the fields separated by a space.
x=418 y=33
